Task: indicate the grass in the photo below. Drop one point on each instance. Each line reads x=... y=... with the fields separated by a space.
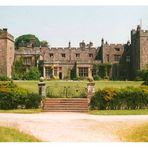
x=93 y=112
x=22 y=111
x=119 y=112
x=14 y=135
x=32 y=86
x=135 y=134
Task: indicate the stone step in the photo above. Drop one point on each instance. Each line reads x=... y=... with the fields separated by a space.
x=65 y=108
x=65 y=102
x=46 y=108
x=53 y=102
x=65 y=105
x=84 y=111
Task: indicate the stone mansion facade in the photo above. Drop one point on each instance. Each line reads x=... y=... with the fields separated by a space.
x=125 y=59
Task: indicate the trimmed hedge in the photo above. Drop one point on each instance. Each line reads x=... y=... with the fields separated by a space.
x=13 y=97
x=125 y=98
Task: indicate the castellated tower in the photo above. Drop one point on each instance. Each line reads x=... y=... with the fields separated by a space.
x=139 y=45
x=6 y=53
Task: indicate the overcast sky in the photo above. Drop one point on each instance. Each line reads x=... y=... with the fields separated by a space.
x=61 y=24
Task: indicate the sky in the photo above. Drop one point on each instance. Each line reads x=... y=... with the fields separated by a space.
x=61 y=24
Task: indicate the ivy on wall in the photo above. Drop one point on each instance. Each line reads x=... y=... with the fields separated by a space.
x=102 y=70
x=18 y=69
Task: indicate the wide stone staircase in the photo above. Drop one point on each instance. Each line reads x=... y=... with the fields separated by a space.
x=65 y=105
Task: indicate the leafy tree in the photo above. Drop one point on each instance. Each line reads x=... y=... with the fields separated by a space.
x=44 y=43
x=27 y=39
x=74 y=72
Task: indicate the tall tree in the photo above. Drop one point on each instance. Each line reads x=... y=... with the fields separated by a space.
x=44 y=43
x=27 y=40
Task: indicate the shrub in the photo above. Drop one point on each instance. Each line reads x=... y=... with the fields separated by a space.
x=4 y=78
x=56 y=78
x=7 y=85
x=16 y=76
x=97 y=77
x=13 y=97
x=142 y=75
x=126 y=98
x=32 y=74
x=97 y=102
x=32 y=101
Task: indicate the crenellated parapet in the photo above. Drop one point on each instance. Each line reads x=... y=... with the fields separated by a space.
x=5 y=35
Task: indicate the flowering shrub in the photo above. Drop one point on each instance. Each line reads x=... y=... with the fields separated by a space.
x=125 y=98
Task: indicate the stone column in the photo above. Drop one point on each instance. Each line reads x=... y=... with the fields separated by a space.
x=89 y=72
x=42 y=87
x=90 y=90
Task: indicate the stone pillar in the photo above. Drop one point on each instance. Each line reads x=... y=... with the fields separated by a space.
x=42 y=87
x=89 y=72
x=90 y=90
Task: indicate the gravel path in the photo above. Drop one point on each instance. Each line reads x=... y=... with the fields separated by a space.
x=72 y=127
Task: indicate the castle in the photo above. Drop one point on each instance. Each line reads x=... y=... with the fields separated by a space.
x=125 y=59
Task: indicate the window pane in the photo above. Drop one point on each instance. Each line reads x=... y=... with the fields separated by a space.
x=117 y=58
x=83 y=71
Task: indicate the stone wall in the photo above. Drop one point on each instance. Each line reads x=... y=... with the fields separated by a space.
x=143 y=49
x=3 y=53
x=115 y=54
x=70 y=54
x=6 y=53
x=139 y=54
x=110 y=50
x=10 y=57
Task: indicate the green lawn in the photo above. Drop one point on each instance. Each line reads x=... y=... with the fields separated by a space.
x=21 y=111
x=135 y=134
x=119 y=112
x=32 y=86
x=13 y=135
